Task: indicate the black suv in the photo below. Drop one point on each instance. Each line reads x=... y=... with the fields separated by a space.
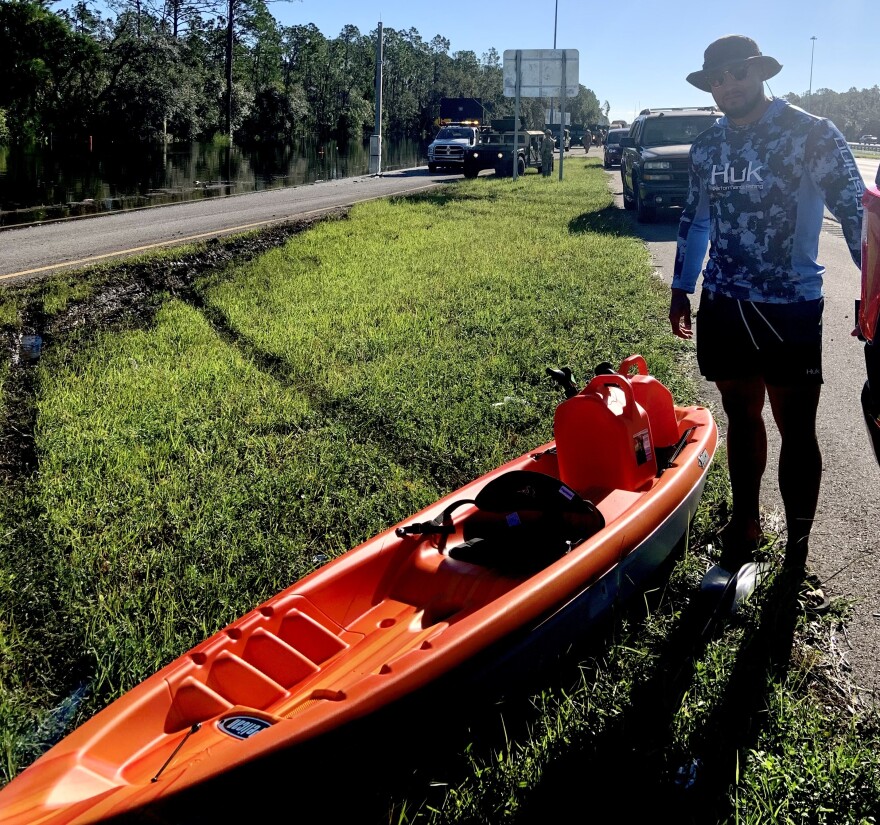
x=654 y=165
x=612 y=147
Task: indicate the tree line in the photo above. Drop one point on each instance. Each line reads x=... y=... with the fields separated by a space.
x=855 y=113
x=144 y=70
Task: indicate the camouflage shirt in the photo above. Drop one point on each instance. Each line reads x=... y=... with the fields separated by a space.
x=756 y=197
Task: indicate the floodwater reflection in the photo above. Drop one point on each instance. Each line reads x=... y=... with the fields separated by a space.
x=43 y=184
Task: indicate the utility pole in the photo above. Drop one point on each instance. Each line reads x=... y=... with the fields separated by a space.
x=555 y=18
x=229 y=44
x=376 y=138
x=812 y=52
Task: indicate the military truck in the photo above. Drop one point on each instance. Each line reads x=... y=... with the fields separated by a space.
x=496 y=151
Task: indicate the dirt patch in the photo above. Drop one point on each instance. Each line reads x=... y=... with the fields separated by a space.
x=125 y=296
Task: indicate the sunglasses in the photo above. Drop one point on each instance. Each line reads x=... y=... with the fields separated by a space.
x=737 y=72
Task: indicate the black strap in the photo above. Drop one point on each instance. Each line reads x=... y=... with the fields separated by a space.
x=439 y=526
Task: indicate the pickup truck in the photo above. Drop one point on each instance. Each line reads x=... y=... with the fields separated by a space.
x=495 y=151
x=447 y=149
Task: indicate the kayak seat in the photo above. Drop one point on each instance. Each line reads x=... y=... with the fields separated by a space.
x=524 y=521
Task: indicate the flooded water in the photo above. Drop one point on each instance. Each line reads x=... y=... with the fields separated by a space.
x=40 y=184
x=28 y=349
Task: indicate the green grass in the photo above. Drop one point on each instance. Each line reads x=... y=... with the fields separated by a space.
x=285 y=409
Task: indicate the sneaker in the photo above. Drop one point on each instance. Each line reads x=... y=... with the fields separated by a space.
x=806 y=588
x=814 y=602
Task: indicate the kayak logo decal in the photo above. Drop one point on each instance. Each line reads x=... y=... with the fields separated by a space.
x=242 y=727
x=703 y=459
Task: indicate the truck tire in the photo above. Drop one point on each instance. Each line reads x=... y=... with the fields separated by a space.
x=432 y=167
x=520 y=166
x=644 y=213
x=627 y=199
x=471 y=171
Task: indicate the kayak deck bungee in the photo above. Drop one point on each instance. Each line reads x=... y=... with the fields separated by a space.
x=530 y=552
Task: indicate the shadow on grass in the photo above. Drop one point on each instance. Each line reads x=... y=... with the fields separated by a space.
x=633 y=764
x=736 y=721
x=444 y=196
x=615 y=221
x=607 y=220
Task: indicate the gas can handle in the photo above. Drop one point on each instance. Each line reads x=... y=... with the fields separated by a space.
x=633 y=361
x=619 y=381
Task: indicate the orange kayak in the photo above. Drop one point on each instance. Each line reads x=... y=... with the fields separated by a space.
x=514 y=562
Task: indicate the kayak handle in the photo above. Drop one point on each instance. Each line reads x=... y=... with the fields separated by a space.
x=565 y=379
x=439 y=526
x=422 y=528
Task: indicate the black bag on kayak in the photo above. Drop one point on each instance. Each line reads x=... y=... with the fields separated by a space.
x=524 y=521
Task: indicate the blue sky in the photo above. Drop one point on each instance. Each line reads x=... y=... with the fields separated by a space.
x=635 y=55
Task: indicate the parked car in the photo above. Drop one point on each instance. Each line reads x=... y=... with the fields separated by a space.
x=869 y=139
x=612 y=147
x=654 y=158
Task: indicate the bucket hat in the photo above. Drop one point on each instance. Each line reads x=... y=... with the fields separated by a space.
x=728 y=50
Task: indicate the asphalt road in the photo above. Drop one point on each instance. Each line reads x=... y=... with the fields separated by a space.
x=39 y=249
x=844 y=544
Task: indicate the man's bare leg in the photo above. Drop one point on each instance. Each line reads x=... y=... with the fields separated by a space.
x=800 y=464
x=743 y=402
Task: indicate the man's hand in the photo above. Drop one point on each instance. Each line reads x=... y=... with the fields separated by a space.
x=680 y=314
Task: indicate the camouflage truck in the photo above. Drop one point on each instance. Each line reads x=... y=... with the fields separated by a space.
x=496 y=151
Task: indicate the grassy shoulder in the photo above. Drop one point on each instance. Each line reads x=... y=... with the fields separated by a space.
x=192 y=460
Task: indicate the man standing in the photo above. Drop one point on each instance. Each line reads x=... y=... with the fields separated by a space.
x=547 y=147
x=759 y=181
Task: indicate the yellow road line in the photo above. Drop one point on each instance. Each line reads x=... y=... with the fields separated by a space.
x=213 y=233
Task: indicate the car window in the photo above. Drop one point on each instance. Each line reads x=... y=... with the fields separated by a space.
x=614 y=137
x=664 y=131
x=450 y=134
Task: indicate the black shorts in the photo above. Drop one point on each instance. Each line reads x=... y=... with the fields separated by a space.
x=780 y=343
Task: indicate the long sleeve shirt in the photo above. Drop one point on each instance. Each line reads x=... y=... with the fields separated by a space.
x=756 y=198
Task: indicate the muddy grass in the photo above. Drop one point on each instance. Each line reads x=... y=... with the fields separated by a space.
x=120 y=296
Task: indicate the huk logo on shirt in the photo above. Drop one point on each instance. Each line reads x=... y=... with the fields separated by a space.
x=728 y=177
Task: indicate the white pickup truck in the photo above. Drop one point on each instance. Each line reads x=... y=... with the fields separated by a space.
x=447 y=149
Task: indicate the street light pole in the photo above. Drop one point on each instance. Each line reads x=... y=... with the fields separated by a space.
x=812 y=52
x=555 y=18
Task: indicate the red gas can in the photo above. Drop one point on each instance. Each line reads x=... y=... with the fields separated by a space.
x=603 y=438
x=655 y=398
